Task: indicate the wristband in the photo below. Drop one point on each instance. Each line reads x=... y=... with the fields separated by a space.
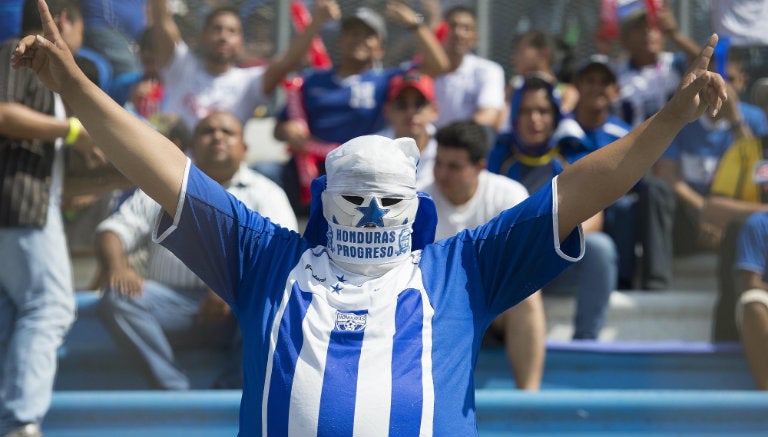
x=75 y=127
x=417 y=23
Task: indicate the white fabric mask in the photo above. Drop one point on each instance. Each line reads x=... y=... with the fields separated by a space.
x=370 y=202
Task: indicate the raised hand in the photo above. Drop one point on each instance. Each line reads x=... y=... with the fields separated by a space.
x=47 y=55
x=326 y=10
x=400 y=13
x=700 y=89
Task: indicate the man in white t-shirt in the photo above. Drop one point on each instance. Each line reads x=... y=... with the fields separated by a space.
x=467 y=195
x=196 y=85
x=473 y=88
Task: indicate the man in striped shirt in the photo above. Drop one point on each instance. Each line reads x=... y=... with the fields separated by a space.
x=142 y=311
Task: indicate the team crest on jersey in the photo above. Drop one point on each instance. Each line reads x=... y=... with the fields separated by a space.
x=351 y=321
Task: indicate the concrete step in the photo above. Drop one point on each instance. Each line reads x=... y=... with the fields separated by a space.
x=682 y=313
x=640 y=315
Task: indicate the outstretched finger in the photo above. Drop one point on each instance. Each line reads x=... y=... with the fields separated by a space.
x=50 y=30
x=701 y=63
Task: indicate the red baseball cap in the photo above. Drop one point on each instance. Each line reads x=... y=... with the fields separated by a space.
x=412 y=79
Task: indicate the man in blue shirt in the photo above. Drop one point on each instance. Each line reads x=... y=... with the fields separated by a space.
x=370 y=329
x=347 y=100
x=752 y=307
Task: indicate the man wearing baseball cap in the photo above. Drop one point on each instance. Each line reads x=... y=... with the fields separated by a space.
x=347 y=100
x=369 y=18
x=411 y=111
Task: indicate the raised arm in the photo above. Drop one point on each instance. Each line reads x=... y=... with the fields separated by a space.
x=668 y=25
x=143 y=155
x=595 y=181
x=165 y=33
x=434 y=59
x=324 y=11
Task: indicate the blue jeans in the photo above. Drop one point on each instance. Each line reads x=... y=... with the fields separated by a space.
x=644 y=216
x=37 y=307
x=592 y=280
x=149 y=326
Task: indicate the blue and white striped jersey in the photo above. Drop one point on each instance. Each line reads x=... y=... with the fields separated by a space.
x=329 y=353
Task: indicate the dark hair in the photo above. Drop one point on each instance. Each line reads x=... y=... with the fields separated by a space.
x=561 y=56
x=147 y=39
x=89 y=68
x=30 y=17
x=178 y=131
x=466 y=135
x=222 y=10
x=460 y=9
x=536 y=38
x=536 y=83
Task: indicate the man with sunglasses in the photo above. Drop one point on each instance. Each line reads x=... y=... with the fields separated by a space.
x=411 y=110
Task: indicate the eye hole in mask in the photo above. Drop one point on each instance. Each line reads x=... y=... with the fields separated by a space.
x=357 y=200
x=386 y=201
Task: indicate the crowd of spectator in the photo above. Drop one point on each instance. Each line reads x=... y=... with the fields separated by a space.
x=485 y=143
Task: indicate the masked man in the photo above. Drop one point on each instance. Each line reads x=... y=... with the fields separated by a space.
x=363 y=328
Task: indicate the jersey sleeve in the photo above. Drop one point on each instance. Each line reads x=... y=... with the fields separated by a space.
x=755 y=118
x=519 y=251
x=752 y=244
x=225 y=243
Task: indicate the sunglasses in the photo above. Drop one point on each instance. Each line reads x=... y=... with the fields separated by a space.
x=402 y=105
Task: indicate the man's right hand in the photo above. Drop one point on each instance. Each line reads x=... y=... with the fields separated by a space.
x=296 y=135
x=48 y=55
x=126 y=282
x=325 y=11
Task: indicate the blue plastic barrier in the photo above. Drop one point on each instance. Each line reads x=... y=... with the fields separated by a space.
x=670 y=365
x=499 y=412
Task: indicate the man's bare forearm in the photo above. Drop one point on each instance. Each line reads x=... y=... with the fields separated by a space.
x=595 y=181
x=21 y=122
x=165 y=33
x=144 y=156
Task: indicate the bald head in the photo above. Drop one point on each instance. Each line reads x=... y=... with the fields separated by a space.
x=218 y=147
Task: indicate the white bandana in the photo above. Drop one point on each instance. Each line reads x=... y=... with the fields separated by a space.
x=370 y=200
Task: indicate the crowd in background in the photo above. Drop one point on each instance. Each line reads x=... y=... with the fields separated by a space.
x=489 y=133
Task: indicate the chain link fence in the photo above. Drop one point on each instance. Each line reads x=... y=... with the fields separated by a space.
x=268 y=29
